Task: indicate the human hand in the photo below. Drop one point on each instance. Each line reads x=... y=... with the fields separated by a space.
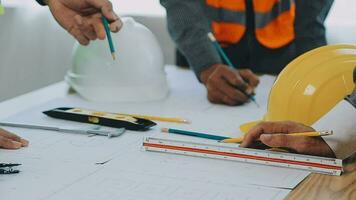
x=228 y=86
x=275 y=134
x=11 y=141
x=82 y=18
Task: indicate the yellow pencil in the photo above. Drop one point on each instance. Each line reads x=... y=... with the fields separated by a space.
x=313 y=134
x=148 y=117
x=162 y=119
x=308 y=134
x=233 y=140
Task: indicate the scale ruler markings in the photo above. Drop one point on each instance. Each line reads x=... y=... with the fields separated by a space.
x=229 y=152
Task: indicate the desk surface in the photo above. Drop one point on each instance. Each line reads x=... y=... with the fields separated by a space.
x=318 y=186
x=315 y=186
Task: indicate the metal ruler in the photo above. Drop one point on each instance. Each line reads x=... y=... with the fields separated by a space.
x=232 y=152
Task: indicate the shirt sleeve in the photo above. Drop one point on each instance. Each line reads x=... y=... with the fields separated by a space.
x=309 y=24
x=342 y=120
x=188 y=27
x=352 y=98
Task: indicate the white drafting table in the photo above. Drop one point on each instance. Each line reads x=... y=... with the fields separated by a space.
x=63 y=166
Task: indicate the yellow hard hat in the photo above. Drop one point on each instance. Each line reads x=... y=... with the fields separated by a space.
x=311 y=85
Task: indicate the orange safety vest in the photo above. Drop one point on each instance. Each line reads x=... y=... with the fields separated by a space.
x=274 y=21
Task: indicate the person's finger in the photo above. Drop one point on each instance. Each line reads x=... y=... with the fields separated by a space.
x=78 y=35
x=115 y=26
x=299 y=144
x=252 y=136
x=105 y=7
x=251 y=78
x=232 y=93
x=9 y=135
x=98 y=27
x=85 y=27
x=279 y=140
x=233 y=78
x=218 y=81
x=24 y=142
x=228 y=101
x=9 y=144
x=264 y=127
x=13 y=137
x=281 y=127
x=215 y=96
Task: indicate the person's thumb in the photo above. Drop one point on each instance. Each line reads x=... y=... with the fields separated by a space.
x=282 y=140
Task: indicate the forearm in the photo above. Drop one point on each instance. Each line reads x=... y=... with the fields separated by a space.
x=309 y=24
x=188 y=27
x=342 y=120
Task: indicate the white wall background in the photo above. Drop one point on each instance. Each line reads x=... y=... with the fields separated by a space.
x=341 y=22
x=35 y=51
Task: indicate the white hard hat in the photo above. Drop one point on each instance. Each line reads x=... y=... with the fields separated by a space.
x=137 y=74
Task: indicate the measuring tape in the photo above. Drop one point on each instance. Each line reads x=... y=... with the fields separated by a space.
x=317 y=164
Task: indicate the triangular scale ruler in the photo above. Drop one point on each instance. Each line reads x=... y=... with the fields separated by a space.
x=232 y=152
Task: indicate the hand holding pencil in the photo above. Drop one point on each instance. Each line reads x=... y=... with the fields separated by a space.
x=226 y=84
x=82 y=18
x=287 y=135
x=229 y=86
x=283 y=134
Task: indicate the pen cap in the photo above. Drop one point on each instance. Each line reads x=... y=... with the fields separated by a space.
x=136 y=75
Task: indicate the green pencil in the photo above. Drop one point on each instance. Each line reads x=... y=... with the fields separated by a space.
x=108 y=34
x=194 y=134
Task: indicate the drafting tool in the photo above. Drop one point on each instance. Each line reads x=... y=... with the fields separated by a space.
x=158 y=118
x=194 y=134
x=307 y=134
x=108 y=35
x=101 y=118
x=110 y=134
x=232 y=152
x=7 y=168
x=227 y=60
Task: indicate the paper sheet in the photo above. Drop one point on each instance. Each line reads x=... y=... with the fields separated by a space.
x=63 y=166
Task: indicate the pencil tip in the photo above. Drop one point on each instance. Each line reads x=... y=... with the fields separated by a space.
x=165 y=130
x=254 y=101
x=187 y=121
x=113 y=56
